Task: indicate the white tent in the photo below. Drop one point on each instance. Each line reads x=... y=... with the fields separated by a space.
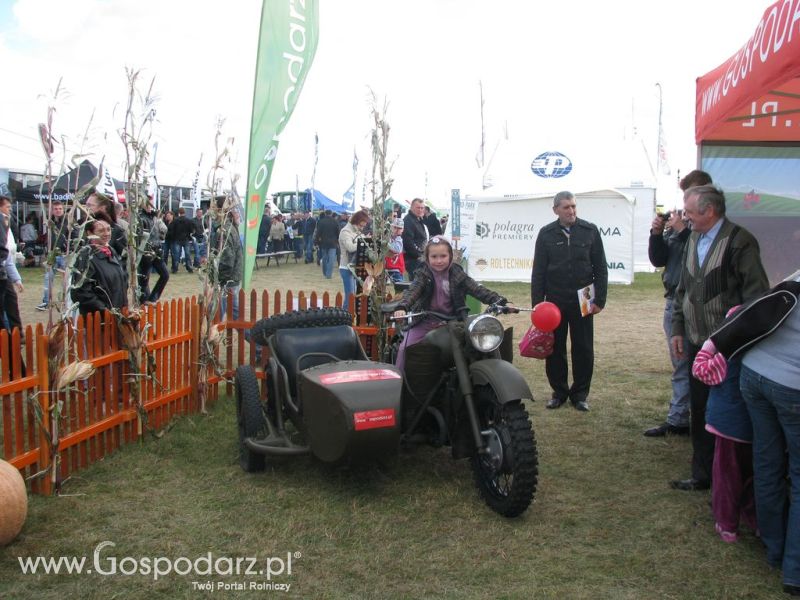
x=506 y=230
x=549 y=165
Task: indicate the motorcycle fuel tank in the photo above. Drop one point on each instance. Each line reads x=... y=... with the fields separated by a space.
x=351 y=409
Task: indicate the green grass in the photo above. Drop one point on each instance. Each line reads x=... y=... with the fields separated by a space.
x=604 y=523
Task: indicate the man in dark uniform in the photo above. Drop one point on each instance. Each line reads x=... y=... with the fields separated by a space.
x=569 y=256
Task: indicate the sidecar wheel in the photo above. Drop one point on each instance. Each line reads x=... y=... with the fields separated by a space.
x=314 y=317
x=249 y=417
x=507 y=475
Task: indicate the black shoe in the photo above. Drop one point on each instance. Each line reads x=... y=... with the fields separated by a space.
x=666 y=428
x=690 y=485
x=189 y=270
x=581 y=405
x=555 y=402
x=792 y=590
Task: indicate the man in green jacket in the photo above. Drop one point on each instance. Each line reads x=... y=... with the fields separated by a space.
x=721 y=268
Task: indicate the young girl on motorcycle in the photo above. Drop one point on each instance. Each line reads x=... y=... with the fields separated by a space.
x=441 y=286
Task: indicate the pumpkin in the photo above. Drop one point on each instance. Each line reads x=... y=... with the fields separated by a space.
x=13 y=502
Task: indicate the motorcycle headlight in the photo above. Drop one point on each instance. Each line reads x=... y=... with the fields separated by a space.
x=486 y=333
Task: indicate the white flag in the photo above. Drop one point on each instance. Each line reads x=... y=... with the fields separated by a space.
x=196 y=192
x=152 y=182
x=106 y=185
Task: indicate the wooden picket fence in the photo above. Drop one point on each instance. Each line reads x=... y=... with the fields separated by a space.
x=97 y=415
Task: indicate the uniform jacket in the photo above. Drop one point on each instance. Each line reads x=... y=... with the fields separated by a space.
x=564 y=264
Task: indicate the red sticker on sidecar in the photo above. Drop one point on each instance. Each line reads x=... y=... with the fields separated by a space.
x=354 y=376
x=374 y=419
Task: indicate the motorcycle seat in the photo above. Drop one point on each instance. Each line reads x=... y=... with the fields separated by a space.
x=289 y=345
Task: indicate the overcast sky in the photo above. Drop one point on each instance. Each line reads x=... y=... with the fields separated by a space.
x=576 y=77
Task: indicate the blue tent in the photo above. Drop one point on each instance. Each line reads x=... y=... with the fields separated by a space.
x=322 y=202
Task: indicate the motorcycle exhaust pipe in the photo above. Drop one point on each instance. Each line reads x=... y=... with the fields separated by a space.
x=274 y=446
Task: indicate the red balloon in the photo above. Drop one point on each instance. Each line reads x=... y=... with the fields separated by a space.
x=545 y=316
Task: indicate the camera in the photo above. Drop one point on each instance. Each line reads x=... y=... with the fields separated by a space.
x=666 y=216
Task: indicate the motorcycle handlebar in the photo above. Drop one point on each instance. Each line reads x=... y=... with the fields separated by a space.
x=423 y=313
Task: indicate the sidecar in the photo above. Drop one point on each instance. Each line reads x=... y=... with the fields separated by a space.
x=323 y=394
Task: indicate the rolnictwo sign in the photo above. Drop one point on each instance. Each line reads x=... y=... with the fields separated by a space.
x=506 y=231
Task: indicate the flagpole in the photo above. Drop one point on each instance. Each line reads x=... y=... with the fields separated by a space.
x=658 y=146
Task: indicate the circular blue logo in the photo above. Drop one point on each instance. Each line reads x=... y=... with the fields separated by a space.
x=551 y=165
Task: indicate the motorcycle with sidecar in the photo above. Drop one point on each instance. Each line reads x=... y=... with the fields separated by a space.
x=325 y=397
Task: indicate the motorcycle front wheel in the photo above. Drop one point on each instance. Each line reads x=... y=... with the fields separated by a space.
x=507 y=474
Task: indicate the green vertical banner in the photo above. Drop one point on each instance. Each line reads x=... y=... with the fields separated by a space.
x=286 y=46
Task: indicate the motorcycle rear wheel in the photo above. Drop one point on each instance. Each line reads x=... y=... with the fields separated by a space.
x=507 y=475
x=249 y=417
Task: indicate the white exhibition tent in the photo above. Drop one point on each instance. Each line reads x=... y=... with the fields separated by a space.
x=615 y=188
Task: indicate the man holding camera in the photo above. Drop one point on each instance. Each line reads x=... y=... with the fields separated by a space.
x=668 y=236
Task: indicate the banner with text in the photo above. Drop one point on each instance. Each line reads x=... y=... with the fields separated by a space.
x=286 y=47
x=506 y=229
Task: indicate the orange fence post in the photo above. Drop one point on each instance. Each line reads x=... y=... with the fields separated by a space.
x=42 y=346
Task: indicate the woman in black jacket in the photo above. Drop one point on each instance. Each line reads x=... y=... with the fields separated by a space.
x=99 y=281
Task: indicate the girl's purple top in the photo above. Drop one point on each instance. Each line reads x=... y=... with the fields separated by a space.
x=441 y=301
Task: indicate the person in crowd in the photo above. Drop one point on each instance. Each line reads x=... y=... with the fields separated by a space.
x=225 y=238
x=123 y=217
x=13 y=285
x=441 y=286
x=298 y=241
x=199 y=238
x=11 y=281
x=569 y=256
x=169 y=237
x=432 y=222
x=415 y=236
x=308 y=227
x=327 y=240
x=152 y=232
x=29 y=236
x=5 y=284
x=764 y=336
x=263 y=231
x=668 y=238
x=443 y=223
x=394 y=262
x=721 y=268
x=99 y=281
x=57 y=232
x=277 y=232
x=183 y=230
x=770 y=385
x=732 y=499
x=397 y=211
x=348 y=244
x=103 y=208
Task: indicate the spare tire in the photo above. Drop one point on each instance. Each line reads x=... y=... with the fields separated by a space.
x=299 y=319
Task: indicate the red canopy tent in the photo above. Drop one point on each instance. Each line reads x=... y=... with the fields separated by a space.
x=747 y=125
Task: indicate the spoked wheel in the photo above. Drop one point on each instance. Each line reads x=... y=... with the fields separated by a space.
x=249 y=417
x=507 y=473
